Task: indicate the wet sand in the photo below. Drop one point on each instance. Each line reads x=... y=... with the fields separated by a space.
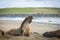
x=37 y=29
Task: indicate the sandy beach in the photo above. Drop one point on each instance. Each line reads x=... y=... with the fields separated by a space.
x=37 y=29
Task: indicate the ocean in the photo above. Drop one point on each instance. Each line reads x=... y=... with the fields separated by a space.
x=51 y=20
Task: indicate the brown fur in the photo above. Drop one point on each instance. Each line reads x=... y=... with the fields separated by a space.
x=57 y=32
x=25 y=26
x=24 y=29
x=26 y=33
x=1 y=33
x=52 y=34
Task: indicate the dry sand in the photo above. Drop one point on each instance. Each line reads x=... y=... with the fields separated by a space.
x=37 y=29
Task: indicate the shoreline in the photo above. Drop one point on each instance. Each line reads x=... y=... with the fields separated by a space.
x=49 y=20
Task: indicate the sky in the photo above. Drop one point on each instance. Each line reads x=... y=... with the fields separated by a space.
x=29 y=3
